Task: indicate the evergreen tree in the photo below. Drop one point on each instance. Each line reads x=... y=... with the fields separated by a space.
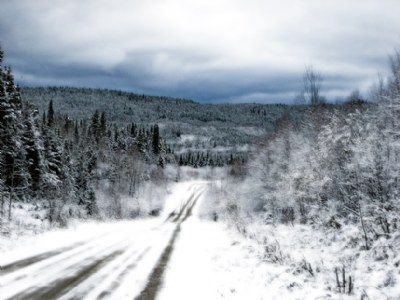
x=81 y=180
x=141 y=141
x=103 y=125
x=90 y=202
x=95 y=127
x=156 y=144
x=133 y=130
x=34 y=148
x=53 y=163
x=11 y=133
x=76 y=133
x=50 y=114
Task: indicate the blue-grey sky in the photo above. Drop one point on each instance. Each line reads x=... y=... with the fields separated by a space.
x=206 y=50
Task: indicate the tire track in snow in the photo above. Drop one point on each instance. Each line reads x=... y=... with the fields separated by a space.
x=156 y=277
x=155 y=280
x=61 y=286
x=108 y=278
x=19 y=264
x=96 y=269
x=44 y=274
x=116 y=280
x=63 y=257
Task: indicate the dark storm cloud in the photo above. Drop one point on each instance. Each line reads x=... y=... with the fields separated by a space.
x=210 y=50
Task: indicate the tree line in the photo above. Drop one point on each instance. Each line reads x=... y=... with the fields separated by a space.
x=64 y=161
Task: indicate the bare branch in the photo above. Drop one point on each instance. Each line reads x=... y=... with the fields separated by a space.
x=312 y=82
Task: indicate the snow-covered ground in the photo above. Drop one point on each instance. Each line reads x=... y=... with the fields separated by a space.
x=94 y=260
x=210 y=261
x=315 y=252
x=180 y=255
x=27 y=220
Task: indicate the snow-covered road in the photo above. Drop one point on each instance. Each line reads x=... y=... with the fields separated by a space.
x=180 y=255
x=122 y=260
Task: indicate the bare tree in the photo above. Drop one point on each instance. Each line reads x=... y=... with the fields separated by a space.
x=312 y=82
x=394 y=78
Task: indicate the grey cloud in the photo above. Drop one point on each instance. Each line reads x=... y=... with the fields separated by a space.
x=210 y=51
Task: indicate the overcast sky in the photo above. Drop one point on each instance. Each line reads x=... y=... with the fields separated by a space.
x=206 y=50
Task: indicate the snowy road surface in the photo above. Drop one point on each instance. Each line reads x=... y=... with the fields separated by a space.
x=124 y=260
x=176 y=256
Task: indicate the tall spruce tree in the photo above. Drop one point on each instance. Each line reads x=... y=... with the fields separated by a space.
x=156 y=140
x=34 y=148
x=50 y=114
x=12 y=150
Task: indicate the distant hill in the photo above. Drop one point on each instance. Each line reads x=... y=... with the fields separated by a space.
x=184 y=123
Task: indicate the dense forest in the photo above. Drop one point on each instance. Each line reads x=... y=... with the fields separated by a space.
x=63 y=161
x=190 y=128
x=197 y=134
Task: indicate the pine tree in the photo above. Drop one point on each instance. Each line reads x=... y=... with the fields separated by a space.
x=133 y=130
x=156 y=140
x=81 y=180
x=34 y=148
x=90 y=202
x=76 y=133
x=14 y=175
x=53 y=161
x=141 y=141
x=95 y=127
x=50 y=114
x=103 y=125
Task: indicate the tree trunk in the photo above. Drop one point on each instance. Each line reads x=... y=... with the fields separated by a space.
x=10 y=203
x=11 y=190
x=1 y=211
